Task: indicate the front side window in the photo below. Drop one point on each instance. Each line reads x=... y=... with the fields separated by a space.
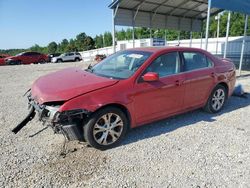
x=195 y=60
x=164 y=65
x=121 y=65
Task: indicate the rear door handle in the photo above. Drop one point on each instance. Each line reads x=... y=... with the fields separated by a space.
x=213 y=74
x=177 y=83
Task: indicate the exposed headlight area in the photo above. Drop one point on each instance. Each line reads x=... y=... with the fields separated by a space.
x=69 y=123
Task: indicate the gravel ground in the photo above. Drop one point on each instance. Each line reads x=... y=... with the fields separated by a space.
x=195 y=149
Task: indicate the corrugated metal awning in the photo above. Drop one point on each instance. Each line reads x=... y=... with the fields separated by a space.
x=242 y=6
x=184 y=15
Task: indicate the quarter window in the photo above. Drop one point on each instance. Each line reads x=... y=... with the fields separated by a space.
x=167 y=64
x=195 y=60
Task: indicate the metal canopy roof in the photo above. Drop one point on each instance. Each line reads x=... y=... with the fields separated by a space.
x=184 y=15
x=242 y=6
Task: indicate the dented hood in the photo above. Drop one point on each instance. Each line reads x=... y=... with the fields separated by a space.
x=67 y=84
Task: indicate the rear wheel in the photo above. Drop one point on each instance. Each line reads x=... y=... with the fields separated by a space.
x=216 y=100
x=42 y=61
x=106 y=128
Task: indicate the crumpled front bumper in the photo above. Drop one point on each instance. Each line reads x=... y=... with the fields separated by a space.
x=68 y=123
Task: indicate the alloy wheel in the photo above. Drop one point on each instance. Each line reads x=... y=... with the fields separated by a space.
x=218 y=99
x=108 y=129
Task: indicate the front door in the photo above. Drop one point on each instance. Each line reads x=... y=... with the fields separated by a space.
x=158 y=99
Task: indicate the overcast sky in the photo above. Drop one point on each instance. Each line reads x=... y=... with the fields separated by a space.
x=24 y=23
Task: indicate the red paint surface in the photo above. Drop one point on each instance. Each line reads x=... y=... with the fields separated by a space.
x=145 y=101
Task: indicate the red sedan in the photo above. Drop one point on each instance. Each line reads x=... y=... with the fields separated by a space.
x=26 y=58
x=128 y=89
x=2 y=57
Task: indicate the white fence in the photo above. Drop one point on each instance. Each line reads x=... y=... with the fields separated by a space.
x=214 y=46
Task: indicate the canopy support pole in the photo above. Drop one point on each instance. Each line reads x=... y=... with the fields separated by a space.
x=113 y=33
x=165 y=37
x=179 y=37
x=243 y=45
x=133 y=27
x=201 y=40
x=113 y=27
x=208 y=21
x=227 y=34
x=191 y=39
x=218 y=32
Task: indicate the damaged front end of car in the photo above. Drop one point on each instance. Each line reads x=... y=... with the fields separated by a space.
x=69 y=123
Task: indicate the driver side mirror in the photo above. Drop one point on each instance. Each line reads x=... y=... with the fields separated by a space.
x=150 y=77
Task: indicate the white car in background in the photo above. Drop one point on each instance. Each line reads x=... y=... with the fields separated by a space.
x=71 y=56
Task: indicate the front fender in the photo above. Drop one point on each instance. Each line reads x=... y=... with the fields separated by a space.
x=94 y=100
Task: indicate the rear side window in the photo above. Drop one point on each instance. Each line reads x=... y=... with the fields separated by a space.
x=34 y=53
x=195 y=60
x=164 y=65
x=27 y=54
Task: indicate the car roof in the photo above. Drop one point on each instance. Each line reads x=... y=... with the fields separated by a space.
x=166 y=48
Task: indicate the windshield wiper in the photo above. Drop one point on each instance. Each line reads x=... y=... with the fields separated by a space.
x=90 y=68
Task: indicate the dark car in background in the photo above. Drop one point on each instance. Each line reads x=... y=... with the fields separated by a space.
x=50 y=56
x=2 y=57
x=26 y=58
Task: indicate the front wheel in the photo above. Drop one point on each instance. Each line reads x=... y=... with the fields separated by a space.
x=77 y=59
x=216 y=100
x=106 y=128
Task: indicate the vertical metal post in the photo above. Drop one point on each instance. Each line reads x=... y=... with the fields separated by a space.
x=179 y=38
x=113 y=30
x=243 y=45
x=208 y=21
x=227 y=34
x=113 y=26
x=133 y=35
x=191 y=38
x=133 y=29
x=150 y=26
x=165 y=37
x=103 y=41
x=218 y=32
x=201 y=39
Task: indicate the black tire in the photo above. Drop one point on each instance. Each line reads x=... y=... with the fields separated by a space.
x=42 y=61
x=77 y=59
x=105 y=132
x=59 y=61
x=214 y=104
x=18 y=62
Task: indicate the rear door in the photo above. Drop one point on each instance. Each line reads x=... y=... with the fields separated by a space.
x=155 y=100
x=26 y=58
x=199 y=78
x=71 y=57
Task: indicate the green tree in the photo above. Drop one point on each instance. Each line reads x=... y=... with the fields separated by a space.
x=80 y=40
x=52 y=47
x=98 y=41
x=88 y=43
x=62 y=47
x=71 y=46
x=108 y=39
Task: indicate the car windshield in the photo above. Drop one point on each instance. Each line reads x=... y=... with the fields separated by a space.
x=20 y=54
x=120 y=65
